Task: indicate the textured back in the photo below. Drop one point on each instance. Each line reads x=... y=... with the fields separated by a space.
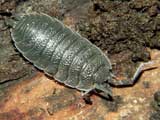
x=60 y=52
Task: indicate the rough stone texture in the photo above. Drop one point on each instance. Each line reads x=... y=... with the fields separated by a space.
x=155 y=115
x=126 y=29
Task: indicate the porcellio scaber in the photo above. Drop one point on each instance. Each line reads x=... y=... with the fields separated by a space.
x=64 y=54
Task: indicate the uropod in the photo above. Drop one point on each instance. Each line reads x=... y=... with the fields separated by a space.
x=64 y=54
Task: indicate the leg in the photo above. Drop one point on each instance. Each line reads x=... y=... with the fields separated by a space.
x=103 y=90
x=86 y=96
x=142 y=67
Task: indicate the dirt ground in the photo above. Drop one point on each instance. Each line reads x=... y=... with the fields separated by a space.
x=125 y=30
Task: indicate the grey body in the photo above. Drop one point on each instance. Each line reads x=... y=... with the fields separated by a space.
x=63 y=54
x=58 y=51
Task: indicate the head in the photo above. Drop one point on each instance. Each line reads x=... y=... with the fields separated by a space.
x=11 y=22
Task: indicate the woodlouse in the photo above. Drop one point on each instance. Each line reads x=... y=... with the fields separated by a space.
x=65 y=55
